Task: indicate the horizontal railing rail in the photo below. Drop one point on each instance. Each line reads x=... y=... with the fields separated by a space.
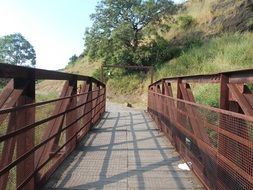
x=12 y=71
x=237 y=77
x=217 y=143
x=35 y=137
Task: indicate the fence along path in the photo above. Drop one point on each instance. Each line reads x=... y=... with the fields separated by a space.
x=37 y=136
x=217 y=141
x=124 y=151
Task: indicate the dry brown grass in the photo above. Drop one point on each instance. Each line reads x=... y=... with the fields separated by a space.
x=52 y=88
x=83 y=67
x=200 y=10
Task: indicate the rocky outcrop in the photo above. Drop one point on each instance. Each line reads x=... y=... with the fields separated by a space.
x=233 y=15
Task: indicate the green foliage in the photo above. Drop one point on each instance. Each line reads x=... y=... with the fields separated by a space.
x=156 y=52
x=16 y=50
x=250 y=22
x=72 y=59
x=187 y=50
x=207 y=94
x=185 y=21
x=229 y=52
x=46 y=97
x=121 y=84
x=118 y=32
x=96 y=74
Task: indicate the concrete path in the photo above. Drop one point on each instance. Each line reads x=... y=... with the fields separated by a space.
x=124 y=151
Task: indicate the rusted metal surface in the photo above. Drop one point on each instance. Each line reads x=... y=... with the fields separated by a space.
x=235 y=77
x=11 y=71
x=31 y=148
x=216 y=142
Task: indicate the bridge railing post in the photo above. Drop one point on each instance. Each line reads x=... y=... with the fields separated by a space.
x=25 y=141
x=72 y=116
x=178 y=107
x=95 y=95
x=26 y=160
x=88 y=108
x=215 y=142
x=224 y=104
x=104 y=99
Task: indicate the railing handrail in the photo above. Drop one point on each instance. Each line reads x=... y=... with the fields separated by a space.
x=34 y=134
x=22 y=72
x=207 y=107
x=216 y=141
x=235 y=76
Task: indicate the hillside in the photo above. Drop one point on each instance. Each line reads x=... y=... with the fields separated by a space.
x=211 y=36
x=204 y=36
x=204 y=19
x=51 y=89
x=83 y=66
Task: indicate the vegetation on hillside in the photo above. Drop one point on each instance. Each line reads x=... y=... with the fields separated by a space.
x=120 y=29
x=228 y=52
x=202 y=36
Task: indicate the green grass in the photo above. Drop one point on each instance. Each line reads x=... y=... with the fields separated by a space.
x=124 y=85
x=45 y=97
x=130 y=88
x=226 y=53
x=195 y=53
x=185 y=21
x=220 y=54
x=208 y=94
x=229 y=52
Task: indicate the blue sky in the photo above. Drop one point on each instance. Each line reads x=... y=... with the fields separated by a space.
x=54 y=27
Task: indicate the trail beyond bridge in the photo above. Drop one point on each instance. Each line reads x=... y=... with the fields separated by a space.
x=78 y=141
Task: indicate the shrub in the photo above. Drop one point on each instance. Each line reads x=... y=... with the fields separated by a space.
x=229 y=52
x=185 y=21
x=97 y=74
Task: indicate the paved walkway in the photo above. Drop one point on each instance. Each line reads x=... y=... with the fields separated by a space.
x=125 y=151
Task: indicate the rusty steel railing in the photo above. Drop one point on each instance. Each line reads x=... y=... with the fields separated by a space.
x=35 y=137
x=217 y=143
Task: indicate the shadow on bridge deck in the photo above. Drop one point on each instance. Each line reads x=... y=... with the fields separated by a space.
x=124 y=151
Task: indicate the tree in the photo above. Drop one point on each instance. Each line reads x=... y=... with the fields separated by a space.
x=117 y=33
x=72 y=59
x=16 y=50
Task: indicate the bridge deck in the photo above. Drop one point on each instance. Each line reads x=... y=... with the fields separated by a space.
x=124 y=151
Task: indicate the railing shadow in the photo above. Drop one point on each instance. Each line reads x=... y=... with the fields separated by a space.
x=130 y=144
x=83 y=153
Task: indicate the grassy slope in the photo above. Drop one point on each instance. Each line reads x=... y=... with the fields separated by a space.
x=226 y=53
x=48 y=89
x=229 y=51
x=83 y=67
x=223 y=53
x=129 y=89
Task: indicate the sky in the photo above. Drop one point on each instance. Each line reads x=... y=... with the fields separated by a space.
x=55 y=28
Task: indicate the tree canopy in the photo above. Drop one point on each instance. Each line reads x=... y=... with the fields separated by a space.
x=16 y=50
x=72 y=59
x=118 y=31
